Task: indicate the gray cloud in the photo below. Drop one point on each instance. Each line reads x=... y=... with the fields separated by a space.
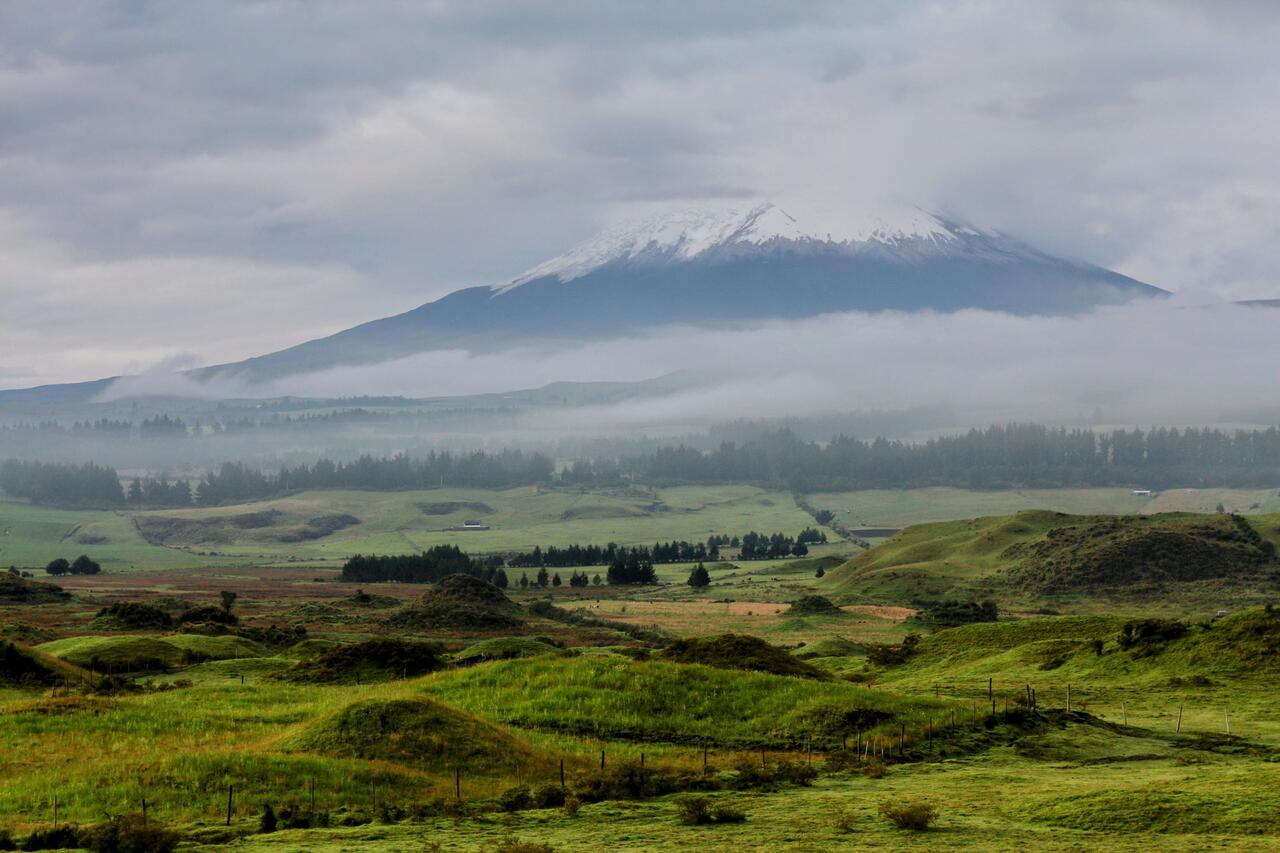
x=228 y=178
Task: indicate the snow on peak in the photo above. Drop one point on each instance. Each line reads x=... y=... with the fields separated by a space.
x=684 y=235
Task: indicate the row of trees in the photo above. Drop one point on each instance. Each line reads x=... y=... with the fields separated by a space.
x=1013 y=456
x=429 y=566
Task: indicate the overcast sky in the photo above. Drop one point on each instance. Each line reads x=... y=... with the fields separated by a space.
x=190 y=182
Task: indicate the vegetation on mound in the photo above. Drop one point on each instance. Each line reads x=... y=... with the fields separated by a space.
x=23 y=667
x=372 y=660
x=450 y=507
x=459 y=602
x=15 y=589
x=739 y=651
x=131 y=616
x=504 y=648
x=1121 y=552
x=319 y=527
x=830 y=647
x=813 y=605
x=365 y=599
x=419 y=733
x=952 y=614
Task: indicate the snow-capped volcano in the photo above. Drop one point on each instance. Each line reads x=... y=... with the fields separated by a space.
x=750 y=264
x=688 y=234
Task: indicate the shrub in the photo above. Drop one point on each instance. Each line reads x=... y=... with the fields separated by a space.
x=267 y=823
x=548 y=797
x=56 y=838
x=913 y=814
x=752 y=775
x=847 y=822
x=129 y=834
x=572 y=805
x=6 y=840
x=1144 y=632
x=875 y=769
x=696 y=811
x=515 y=799
x=629 y=781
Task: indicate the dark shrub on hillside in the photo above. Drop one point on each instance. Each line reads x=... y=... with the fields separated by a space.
x=813 y=605
x=208 y=613
x=133 y=615
x=912 y=814
x=129 y=834
x=459 y=602
x=951 y=614
x=890 y=655
x=20 y=669
x=629 y=781
x=15 y=589
x=754 y=775
x=383 y=658
x=65 y=837
x=739 y=651
x=697 y=811
x=1147 y=632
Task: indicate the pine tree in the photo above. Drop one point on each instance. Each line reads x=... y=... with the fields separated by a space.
x=524 y=580
x=542 y=577
x=500 y=579
x=555 y=579
x=699 y=578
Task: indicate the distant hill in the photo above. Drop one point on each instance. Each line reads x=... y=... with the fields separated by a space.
x=1038 y=555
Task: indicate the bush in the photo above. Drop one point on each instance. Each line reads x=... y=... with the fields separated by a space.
x=751 y=775
x=913 y=814
x=629 y=781
x=572 y=805
x=129 y=834
x=267 y=823
x=1146 y=632
x=6 y=840
x=56 y=838
x=697 y=811
x=875 y=769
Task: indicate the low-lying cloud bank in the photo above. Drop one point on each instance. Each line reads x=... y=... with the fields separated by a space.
x=1129 y=364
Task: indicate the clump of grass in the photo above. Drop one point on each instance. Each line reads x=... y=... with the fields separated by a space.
x=915 y=815
x=515 y=845
x=372 y=660
x=814 y=605
x=698 y=811
x=875 y=769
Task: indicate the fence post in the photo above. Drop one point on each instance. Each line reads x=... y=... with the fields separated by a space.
x=457 y=783
x=562 y=773
x=230 y=793
x=704 y=759
x=144 y=811
x=1124 y=713
x=1226 y=719
x=602 y=759
x=1068 y=698
x=1178 y=729
x=313 y=796
x=55 y=811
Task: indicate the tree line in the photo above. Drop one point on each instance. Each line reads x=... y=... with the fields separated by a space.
x=428 y=566
x=1011 y=456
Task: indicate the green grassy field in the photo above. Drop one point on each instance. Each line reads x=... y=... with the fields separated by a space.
x=904 y=507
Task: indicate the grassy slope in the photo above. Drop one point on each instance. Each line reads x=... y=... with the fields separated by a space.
x=960 y=559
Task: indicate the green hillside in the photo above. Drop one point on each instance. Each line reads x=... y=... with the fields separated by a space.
x=1191 y=560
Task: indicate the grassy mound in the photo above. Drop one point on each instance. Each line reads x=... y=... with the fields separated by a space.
x=419 y=733
x=459 y=603
x=504 y=648
x=372 y=660
x=813 y=605
x=116 y=654
x=134 y=654
x=1130 y=551
x=1035 y=552
x=19 y=590
x=319 y=527
x=450 y=507
x=739 y=651
x=830 y=647
x=131 y=616
x=609 y=696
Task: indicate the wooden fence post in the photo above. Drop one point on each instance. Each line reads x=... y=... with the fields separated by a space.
x=55 y=811
x=1124 y=713
x=562 y=773
x=1178 y=729
x=602 y=759
x=1226 y=718
x=1068 y=698
x=457 y=784
x=704 y=759
x=230 y=793
x=144 y=811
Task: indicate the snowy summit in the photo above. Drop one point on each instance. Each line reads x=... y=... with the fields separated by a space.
x=688 y=234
